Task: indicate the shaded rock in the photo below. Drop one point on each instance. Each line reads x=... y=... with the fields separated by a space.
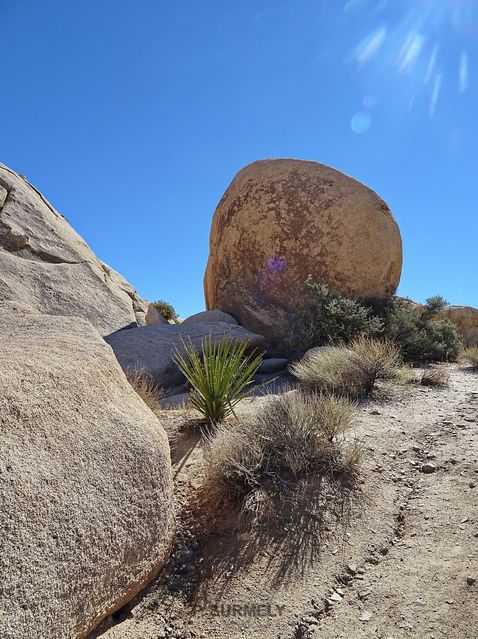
x=272 y=365
x=283 y=220
x=46 y=264
x=86 y=514
x=152 y=348
x=210 y=316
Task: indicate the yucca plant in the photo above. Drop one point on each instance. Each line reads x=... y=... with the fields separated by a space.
x=221 y=375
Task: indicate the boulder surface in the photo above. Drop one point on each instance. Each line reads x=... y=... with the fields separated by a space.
x=46 y=264
x=465 y=319
x=86 y=512
x=283 y=220
x=151 y=348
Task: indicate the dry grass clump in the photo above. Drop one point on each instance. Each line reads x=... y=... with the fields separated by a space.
x=437 y=376
x=146 y=387
x=292 y=439
x=470 y=355
x=351 y=371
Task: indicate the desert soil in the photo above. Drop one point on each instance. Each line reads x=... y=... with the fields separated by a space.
x=403 y=564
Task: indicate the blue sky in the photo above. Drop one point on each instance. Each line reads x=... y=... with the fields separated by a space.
x=133 y=117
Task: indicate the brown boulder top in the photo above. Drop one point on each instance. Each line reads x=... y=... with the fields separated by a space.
x=282 y=220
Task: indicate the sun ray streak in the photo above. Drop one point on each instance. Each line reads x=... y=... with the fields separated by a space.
x=435 y=94
x=463 y=75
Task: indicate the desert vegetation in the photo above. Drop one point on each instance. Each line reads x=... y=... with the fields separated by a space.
x=328 y=317
x=220 y=376
x=435 y=376
x=274 y=451
x=167 y=310
x=350 y=371
x=470 y=356
x=144 y=384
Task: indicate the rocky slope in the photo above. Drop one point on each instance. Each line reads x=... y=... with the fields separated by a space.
x=45 y=263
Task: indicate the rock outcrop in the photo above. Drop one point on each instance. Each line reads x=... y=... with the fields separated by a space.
x=465 y=319
x=283 y=220
x=151 y=348
x=45 y=263
x=86 y=513
x=210 y=316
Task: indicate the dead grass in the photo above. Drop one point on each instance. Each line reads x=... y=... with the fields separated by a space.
x=349 y=371
x=470 y=355
x=272 y=454
x=437 y=376
x=146 y=388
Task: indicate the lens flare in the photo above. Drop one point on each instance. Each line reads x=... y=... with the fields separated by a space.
x=361 y=122
x=415 y=44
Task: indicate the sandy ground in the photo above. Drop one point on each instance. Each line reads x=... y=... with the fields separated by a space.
x=404 y=565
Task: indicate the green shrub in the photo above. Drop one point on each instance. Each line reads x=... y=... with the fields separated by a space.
x=166 y=310
x=328 y=317
x=290 y=438
x=348 y=371
x=420 y=337
x=220 y=376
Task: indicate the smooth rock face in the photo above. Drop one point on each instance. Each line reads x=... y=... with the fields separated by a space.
x=46 y=264
x=282 y=220
x=465 y=319
x=152 y=348
x=272 y=365
x=214 y=315
x=86 y=512
x=153 y=316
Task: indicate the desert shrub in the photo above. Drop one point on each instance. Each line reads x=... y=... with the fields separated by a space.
x=146 y=387
x=328 y=317
x=437 y=376
x=166 y=309
x=220 y=375
x=470 y=355
x=292 y=437
x=420 y=337
x=348 y=371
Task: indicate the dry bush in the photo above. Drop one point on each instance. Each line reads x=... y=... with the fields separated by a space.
x=350 y=371
x=435 y=377
x=291 y=439
x=470 y=355
x=146 y=387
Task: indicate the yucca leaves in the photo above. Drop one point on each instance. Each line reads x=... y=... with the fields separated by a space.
x=221 y=375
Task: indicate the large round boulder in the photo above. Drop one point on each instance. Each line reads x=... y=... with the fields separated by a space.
x=86 y=504
x=283 y=220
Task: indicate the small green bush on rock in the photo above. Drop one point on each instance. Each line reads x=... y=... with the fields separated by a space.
x=166 y=310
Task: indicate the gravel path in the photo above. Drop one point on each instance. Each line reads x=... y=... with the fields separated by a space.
x=404 y=567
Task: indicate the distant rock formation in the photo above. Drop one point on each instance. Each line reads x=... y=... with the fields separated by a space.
x=465 y=319
x=282 y=220
x=86 y=506
x=45 y=263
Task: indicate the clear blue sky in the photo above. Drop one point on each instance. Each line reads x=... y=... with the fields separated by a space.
x=133 y=116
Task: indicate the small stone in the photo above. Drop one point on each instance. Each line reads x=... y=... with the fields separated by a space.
x=365 y=616
x=363 y=594
x=375 y=412
x=335 y=597
x=383 y=550
x=352 y=569
x=428 y=468
x=472 y=484
x=471 y=581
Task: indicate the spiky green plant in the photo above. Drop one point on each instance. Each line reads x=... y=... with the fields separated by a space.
x=221 y=375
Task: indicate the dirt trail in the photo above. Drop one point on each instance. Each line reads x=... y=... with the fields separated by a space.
x=404 y=567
